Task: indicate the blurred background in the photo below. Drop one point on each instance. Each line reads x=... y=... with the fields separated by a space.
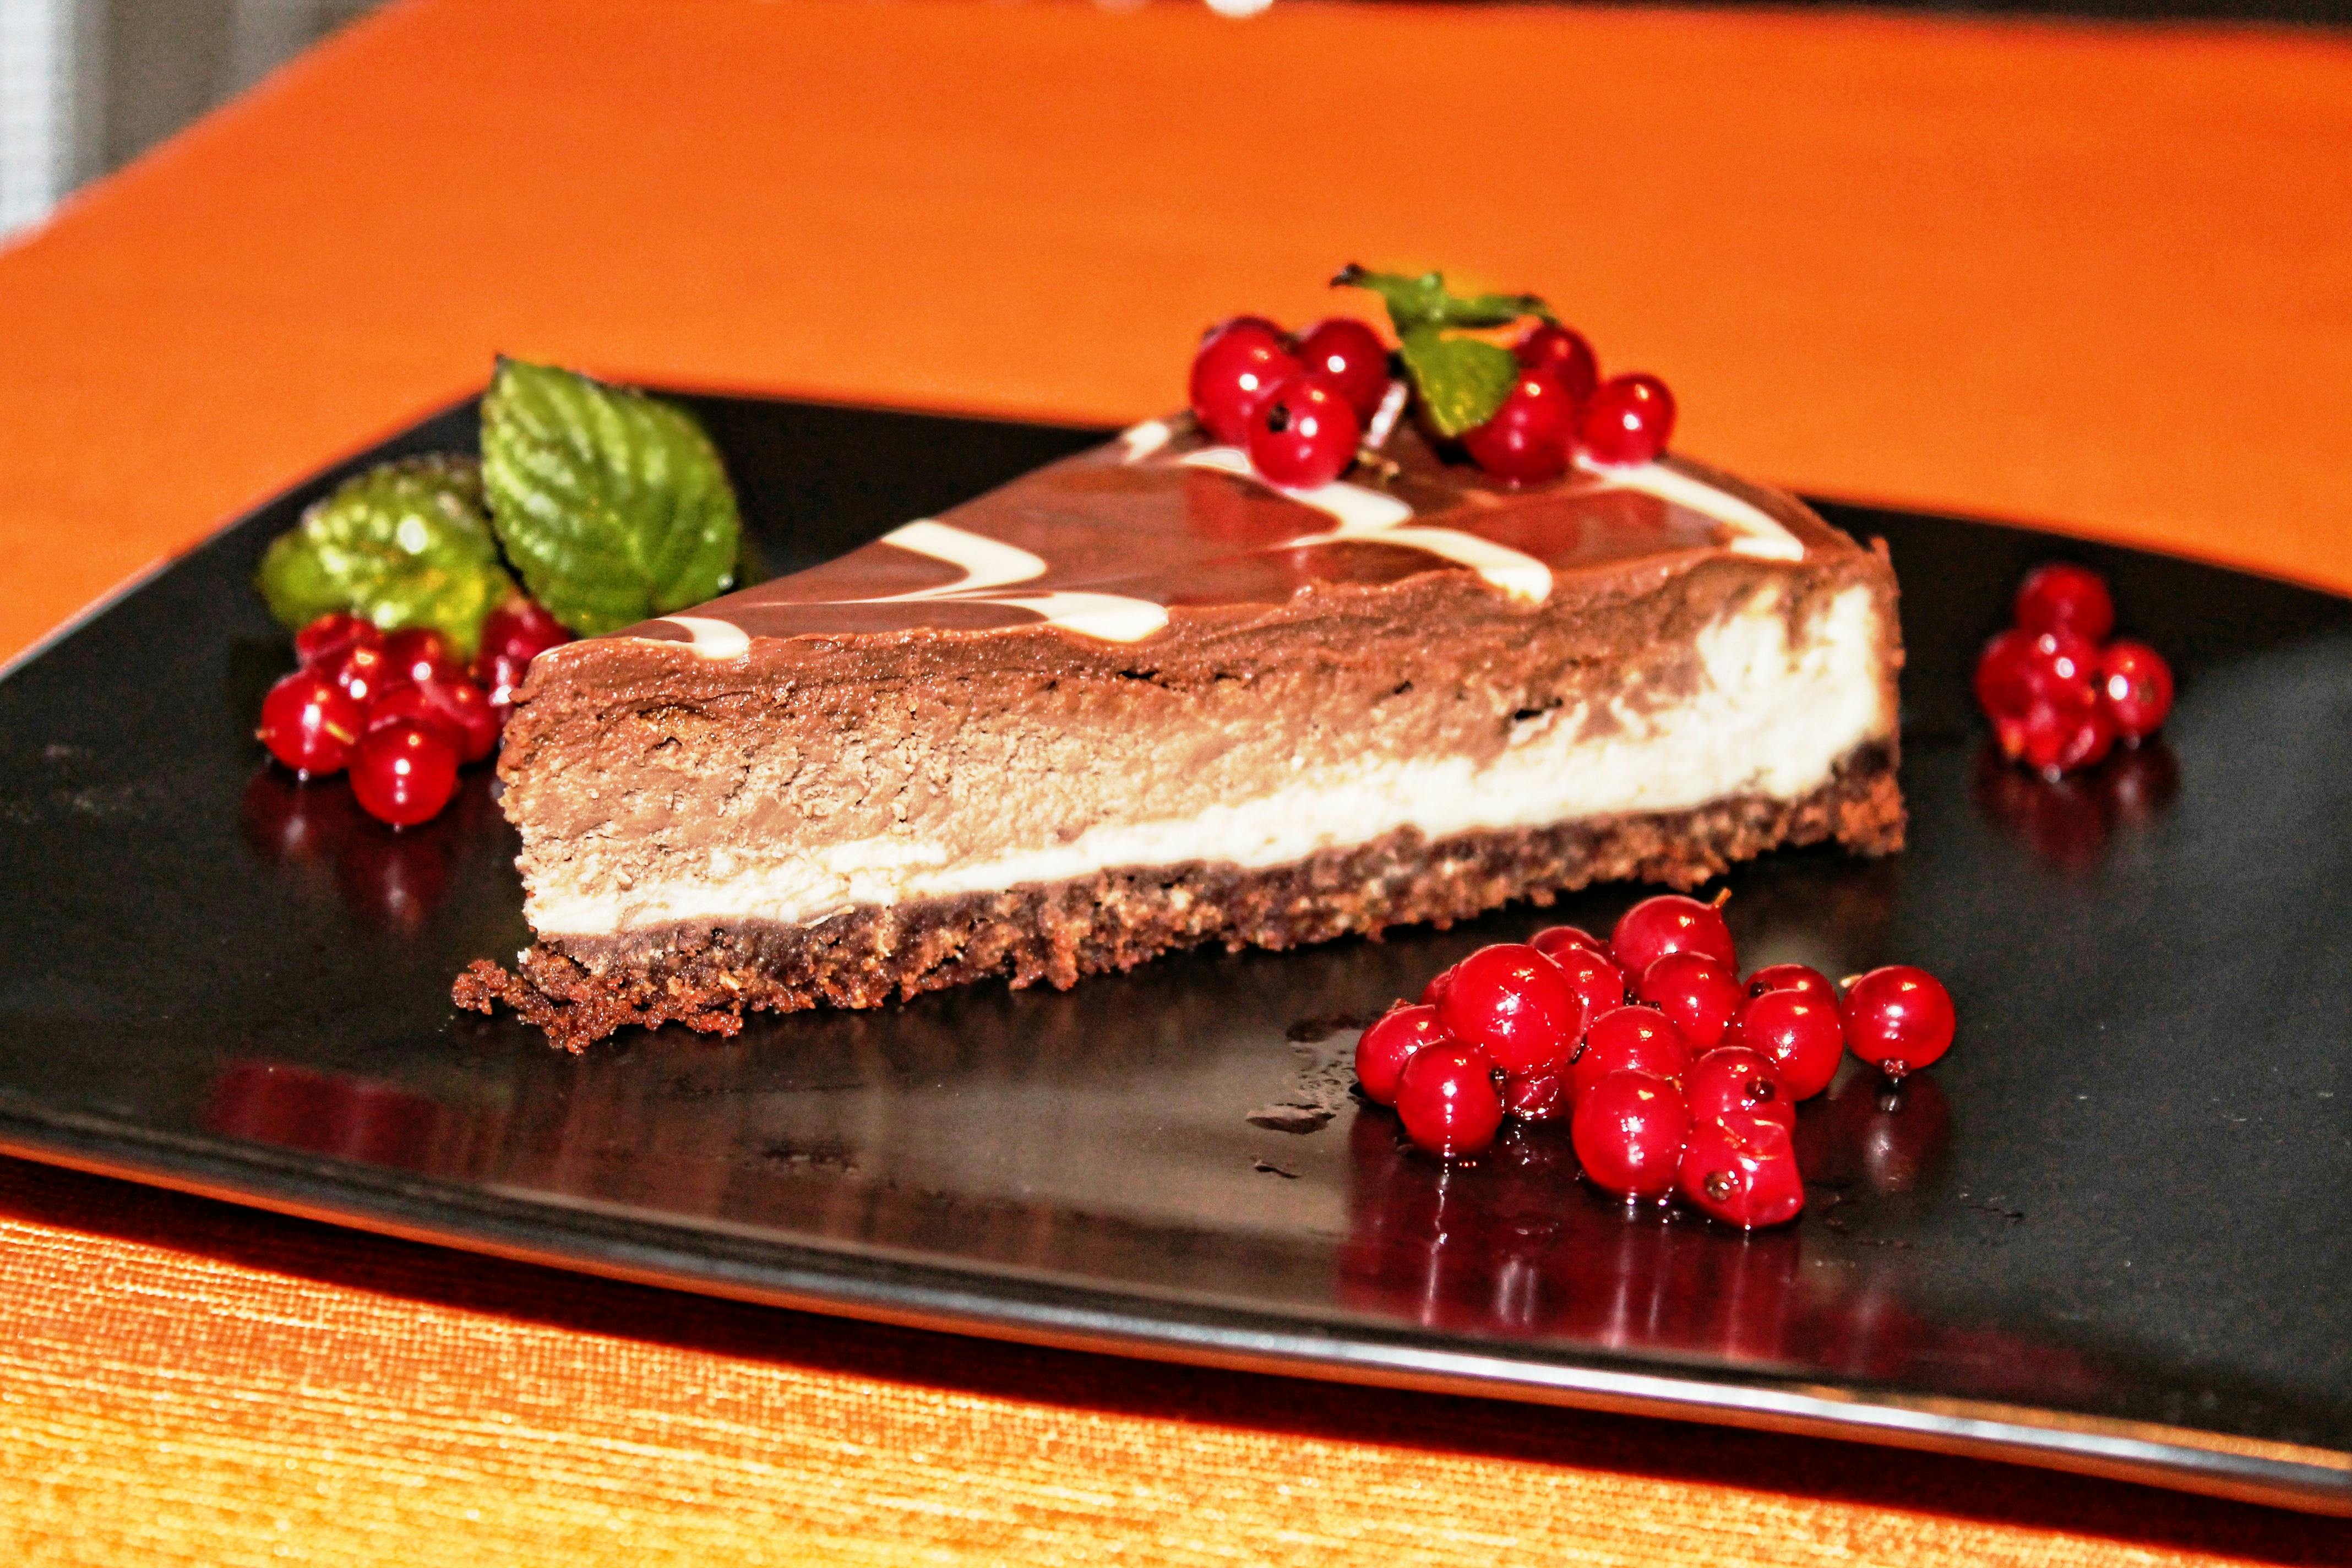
x=87 y=85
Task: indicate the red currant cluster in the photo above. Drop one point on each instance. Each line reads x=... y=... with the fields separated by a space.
x=2059 y=694
x=1299 y=406
x=1689 y=1086
x=399 y=710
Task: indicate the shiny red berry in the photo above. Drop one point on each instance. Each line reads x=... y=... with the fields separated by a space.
x=1700 y=993
x=1898 y=1018
x=1552 y=939
x=520 y=628
x=1513 y=1003
x=1547 y=345
x=1742 y=1170
x=1526 y=440
x=1801 y=977
x=1669 y=924
x=1593 y=974
x=1353 y=356
x=404 y=772
x=1538 y=1096
x=326 y=639
x=1303 y=433
x=365 y=671
x=1641 y=1038
x=1237 y=365
x=2006 y=673
x=1800 y=1031
x=1435 y=992
x=311 y=724
x=2135 y=684
x=1735 y=1080
x=1383 y=1050
x=456 y=704
x=1629 y=1130
x=420 y=653
x=2058 y=737
x=2064 y=597
x=1628 y=419
x=1445 y=1098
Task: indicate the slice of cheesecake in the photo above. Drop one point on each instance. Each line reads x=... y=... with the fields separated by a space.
x=1140 y=699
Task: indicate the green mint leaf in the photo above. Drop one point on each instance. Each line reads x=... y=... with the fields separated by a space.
x=405 y=544
x=612 y=505
x=1461 y=381
x=1415 y=303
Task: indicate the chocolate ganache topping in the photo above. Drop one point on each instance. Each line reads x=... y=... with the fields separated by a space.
x=1108 y=543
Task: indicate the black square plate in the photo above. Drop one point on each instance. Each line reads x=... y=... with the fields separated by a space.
x=2109 y=1233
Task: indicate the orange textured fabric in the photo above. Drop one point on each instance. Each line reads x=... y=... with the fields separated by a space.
x=2097 y=277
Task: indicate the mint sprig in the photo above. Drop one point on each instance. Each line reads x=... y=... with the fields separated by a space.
x=405 y=544
x=612 y=505
x=1459 y=380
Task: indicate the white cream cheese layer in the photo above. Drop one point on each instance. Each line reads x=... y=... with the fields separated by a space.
x=1769 y=719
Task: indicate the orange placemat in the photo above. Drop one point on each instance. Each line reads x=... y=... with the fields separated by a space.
x=2095 y=276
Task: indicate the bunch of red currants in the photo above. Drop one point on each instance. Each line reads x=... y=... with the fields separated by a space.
x=400 y=709
x=1300 y=406
x=2060 y=695
x=1689 y=1086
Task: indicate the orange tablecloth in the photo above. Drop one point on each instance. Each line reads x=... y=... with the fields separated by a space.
x=2092 y=275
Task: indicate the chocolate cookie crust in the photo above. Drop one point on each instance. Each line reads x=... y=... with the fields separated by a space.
x=581 y=990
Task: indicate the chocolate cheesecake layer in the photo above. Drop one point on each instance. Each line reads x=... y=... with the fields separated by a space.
x=1224 y=711
x=706 y=977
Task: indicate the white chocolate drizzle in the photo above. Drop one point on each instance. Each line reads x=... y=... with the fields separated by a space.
x=710 y=638
x=1376 y=517
x=1141 y=441
x=1754 y=531
x=991 y=563
x=1355 y=508
x=1384 y=417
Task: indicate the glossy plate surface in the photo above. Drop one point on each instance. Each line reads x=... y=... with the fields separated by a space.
x=2108 y=1233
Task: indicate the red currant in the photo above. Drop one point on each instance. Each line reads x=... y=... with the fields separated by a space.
x=2135 y=684
x=1898 y=1018
x=1547 y=345
x=1552 y=939
x=1733 y=1080
x=1742 y=1170
x=1383 y=1050
x=1435 y=992
x=404 y=772
x=2064 y=597
x=1592 y=975
x=456 y=704
x=1525 y=441
x=309 y=723
x=1303 y=433
x=1669 y=924
x=420 y=653
x=1445 y=1098
x=329 y=637
x=1700 y=993
x=1800 y=1032
x=2006 y=673
x=1627 y=420
x=519 y=628
x=1537 y=1096
x=1353 y=356
x=1513 y=1003
x=1641 y=1038
x=1629 y=1130
x=1237 y=365
x=365 y=671
x=2058 y=737
x=1801 y=977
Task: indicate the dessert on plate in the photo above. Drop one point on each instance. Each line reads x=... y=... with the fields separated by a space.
x=1325 y=678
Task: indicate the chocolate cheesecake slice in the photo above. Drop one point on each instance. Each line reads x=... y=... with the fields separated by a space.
x=1141 y=699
